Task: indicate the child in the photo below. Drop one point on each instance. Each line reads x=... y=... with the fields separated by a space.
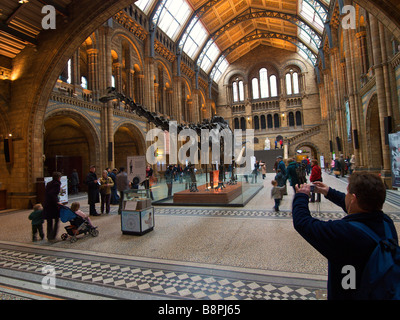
x=37 y=221
x=75 y=206
x=276 y=194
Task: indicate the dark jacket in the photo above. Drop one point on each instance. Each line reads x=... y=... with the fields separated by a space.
x=36 y=217
x=292 y=174
x=340 y=242
x=50 y=206
x=93 y=188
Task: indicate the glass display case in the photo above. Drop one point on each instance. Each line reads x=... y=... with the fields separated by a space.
x=207 y=186
x=137 y=216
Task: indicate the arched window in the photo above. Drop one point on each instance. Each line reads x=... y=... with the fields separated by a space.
x=289 y=91
x=113 y=81
x=69 y=79
x=243 y=123
x=291 y=119
x=256 y=123
x=295 y=79
x=263 y=124
x=264 y=83
x=274 y=86
x=241 y=91
x=292 y=83
x=299 y=121
x=84 y=83
x=237 y=126
x=238 y=90
x=235 y=92
x=269 y=121
x=254 y=86
x=276 y=121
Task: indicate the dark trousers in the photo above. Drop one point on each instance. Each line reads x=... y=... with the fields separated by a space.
x=277 y=203
x=35 y=229
x=169 y=185
x=121 y=202
x=105 y=200
x=92 y=208
x=52 y=228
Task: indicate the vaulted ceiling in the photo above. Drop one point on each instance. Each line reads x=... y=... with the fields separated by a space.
x=235 y=27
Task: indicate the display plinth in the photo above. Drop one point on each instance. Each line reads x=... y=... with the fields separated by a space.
x=137 y=218
x=213 y=196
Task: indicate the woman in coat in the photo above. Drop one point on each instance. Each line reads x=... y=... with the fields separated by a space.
x=106 y=183
x=50 y=208
x=93 y=191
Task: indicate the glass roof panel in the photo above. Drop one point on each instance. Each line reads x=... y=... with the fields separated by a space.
x=173 y=17
x=144 y=5
x=195 y=39
x=210 y=57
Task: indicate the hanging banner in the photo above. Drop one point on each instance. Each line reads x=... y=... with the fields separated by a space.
x=394 y=145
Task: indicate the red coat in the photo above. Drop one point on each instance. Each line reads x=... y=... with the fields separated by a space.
x=315 y=173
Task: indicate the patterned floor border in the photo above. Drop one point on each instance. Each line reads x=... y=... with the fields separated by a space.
x=160 y=280
x=283 y=214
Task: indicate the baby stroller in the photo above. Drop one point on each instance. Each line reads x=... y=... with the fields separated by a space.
x=78 y=225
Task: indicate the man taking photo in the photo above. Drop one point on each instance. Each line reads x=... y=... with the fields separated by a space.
x=342 y=243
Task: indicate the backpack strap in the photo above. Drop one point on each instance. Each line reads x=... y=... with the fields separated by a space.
x=366 y=229
x=372 y=234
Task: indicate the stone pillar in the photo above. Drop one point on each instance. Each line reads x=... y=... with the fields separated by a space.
x=93 y=76
x=381 y=94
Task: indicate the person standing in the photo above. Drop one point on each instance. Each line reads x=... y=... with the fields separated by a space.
x=316 y=175
x=74 y=181
x=292 y=174
x=93 y=190
x=106 y=183
x=169 y=178
x=122 y=185
x=114 y=193
x=51 y=212
x=342 y=166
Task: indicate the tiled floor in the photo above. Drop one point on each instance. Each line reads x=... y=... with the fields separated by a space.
x=193 y=253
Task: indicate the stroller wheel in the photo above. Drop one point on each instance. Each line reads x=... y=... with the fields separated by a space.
x=94 y=232
x=64 y=236
x=73 y=239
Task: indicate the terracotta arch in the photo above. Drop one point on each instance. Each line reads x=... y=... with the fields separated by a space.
x=36 y=70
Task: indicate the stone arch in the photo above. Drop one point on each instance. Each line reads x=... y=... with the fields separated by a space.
x=315 y=151
x=128 y=141
x=74 y=137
